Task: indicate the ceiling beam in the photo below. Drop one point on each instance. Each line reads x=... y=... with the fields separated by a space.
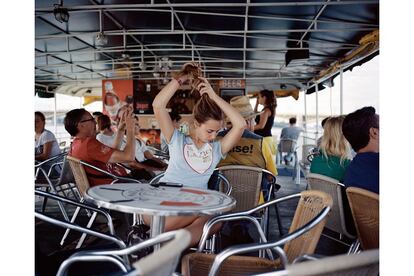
x=314 y=22
x=120 y=25
x=215 y=5
x=185 y=32
x=210 y=32
x=265 y=17
x=267 y=49
x=246 y=28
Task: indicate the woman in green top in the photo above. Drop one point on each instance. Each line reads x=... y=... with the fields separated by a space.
x=335 y=151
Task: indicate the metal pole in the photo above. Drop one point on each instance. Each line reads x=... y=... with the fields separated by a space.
x=341 y=93
x=317 y=112
x=54 y=117
x=306 y=120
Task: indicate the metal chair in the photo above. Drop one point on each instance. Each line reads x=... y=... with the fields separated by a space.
x=64 y=183
x=43 y=179
x=71 y=225
x=365 y=211
x=246 y=185
x=336 y=221
x=161 y=262
x=304 y=234
x=82 y=184
x=365 y=263
x=288 y=146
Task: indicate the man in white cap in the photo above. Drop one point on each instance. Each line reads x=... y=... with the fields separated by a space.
x=251 y=150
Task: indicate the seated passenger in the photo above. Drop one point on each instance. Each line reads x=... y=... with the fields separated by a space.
x=81 y=126
x=335 y=151
x=145 y=163
x=291 y=132
x=251 y=150
x=361 y=129
x=193 y=158
x=46 y=145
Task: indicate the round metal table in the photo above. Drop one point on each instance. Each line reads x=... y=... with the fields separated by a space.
x=160 y=202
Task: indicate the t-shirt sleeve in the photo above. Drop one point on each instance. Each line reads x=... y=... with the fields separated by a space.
x=46 y=137
x=98 y=151
x=144 y=147
x=217 y=148
x=174 y=138
x=100 y=138
x=267 y=154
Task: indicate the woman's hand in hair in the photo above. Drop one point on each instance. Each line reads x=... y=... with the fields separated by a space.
x=205 y=88
x=185 y=72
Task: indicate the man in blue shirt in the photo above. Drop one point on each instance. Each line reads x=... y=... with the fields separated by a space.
x=291 y=132
x=361 y=129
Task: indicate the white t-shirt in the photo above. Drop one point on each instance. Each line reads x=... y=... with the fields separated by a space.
x=189 y=165
x=107 y=140
x=140 y=146
x=46 y=137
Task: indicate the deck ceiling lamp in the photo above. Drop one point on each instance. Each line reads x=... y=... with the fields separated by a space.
x=101 y=39
x=61 y=14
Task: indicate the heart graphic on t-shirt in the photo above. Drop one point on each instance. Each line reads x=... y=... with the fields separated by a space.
x=198 y=159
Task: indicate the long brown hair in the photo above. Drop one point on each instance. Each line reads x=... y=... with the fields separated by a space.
x=206 y=109
x=270 y=102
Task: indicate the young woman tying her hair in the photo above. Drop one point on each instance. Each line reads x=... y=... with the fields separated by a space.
x=193 y=158
x=264 y=121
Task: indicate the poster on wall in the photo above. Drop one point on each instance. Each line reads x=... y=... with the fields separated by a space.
x=115 y=94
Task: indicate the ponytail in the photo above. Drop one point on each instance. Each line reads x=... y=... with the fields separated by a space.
x=206 y=109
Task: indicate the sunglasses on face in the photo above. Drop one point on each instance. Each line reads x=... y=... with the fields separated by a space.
x=87 y=120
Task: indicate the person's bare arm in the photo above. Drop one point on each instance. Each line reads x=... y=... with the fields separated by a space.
x=160 y=103
x=237 y=121
x=256 y=106
x=263 y=119
x=47 y=148
x=120 y=133
x=149 y=155
x=128 y=154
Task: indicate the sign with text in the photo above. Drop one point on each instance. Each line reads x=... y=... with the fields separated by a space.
x=232 y=84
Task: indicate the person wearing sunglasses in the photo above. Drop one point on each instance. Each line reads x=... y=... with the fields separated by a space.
x=81 y=126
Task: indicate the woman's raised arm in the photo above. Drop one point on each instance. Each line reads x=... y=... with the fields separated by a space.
x=237 y=121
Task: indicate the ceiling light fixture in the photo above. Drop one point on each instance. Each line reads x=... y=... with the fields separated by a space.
x=101 y=39
x=61 y=14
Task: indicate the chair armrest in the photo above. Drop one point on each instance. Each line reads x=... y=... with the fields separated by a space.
x=229 y=188
x=212 y=222
x=240 y=249
x=100 y=255
x=41 y=163
x=82 y=205
x=109 y=174
x=308 y=257
x=53 y=166
x=238 y=215
x=92 y=258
